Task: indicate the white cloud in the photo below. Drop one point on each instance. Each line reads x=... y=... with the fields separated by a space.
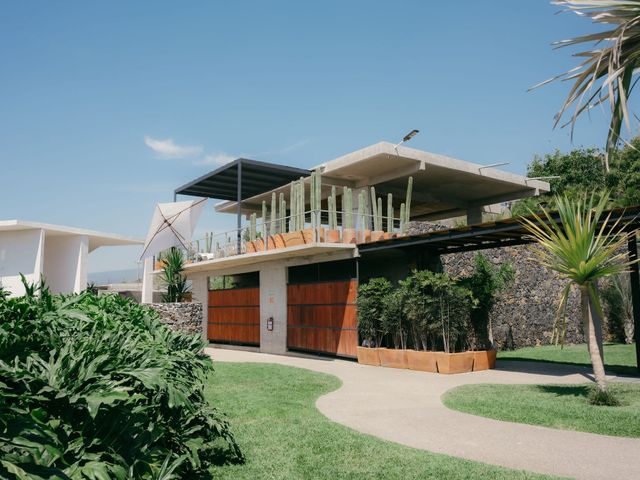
x=219 y=158
x=169 y=149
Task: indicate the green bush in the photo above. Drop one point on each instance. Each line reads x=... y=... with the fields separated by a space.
x=394 y=321
x=96 y=387
x=370 y=303
x=172 y=277
x=437 y=307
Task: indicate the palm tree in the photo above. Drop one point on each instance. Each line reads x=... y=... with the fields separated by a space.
x=583 y=253
x=605 y=74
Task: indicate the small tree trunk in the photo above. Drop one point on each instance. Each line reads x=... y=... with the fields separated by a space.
x=591 y=326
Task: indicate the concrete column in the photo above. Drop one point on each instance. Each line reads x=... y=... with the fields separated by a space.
x=80 y=281
x=273 y=304
x=474 y=215
x=200 y=292
x=147 y=281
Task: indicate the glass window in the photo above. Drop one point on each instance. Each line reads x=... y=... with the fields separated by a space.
x=229 y=282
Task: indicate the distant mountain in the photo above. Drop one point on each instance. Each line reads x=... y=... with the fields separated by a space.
x=115 y=276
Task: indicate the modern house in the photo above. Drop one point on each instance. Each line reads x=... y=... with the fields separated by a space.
x=286 y=278
x=56 y=253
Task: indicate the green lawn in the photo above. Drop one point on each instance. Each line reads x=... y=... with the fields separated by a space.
x=272 y=413
x=618 y=357
x=557 y=406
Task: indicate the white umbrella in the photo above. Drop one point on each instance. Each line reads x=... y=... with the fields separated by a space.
x=172 y=226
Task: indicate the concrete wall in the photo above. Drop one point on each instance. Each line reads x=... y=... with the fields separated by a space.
x=20 y=252
x=65 y=262
x=273 y=304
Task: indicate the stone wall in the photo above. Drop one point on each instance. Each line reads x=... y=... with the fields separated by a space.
x=524 y=314
x=185 y=317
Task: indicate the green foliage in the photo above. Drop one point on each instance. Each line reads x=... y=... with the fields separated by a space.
x=437 y=307
x=485 y=283
x=581 y=171
x=98 y=388
x=394 y=321
x=172 y=277
x=370 y=303
x=616 y=293
x=604 y=398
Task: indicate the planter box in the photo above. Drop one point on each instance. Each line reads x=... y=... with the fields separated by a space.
x=368 y=356
x=484 y=360
x=332 y=236
x=348 y=235
x=390 y=357
x=364 y=236
x=422 y=361
x=454 y=362
x=377 y=235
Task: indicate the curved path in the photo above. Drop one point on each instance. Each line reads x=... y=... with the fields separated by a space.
x=404 y=406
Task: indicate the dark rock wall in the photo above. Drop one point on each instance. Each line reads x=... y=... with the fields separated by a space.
x=185 y=317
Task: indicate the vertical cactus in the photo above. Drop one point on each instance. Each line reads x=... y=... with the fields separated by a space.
x=374 y=208
x=283 y=214
x=208 y=240
x=312 y=199
x=273 y=225
x=333 y=209
x=264 y=220
x=407 y=210
x=402 y=216
x=292 y=207
x=362 y=209
x=390 y=213
x=301 y=204
x=252 y=227
x=347 y=208
x=379 y=214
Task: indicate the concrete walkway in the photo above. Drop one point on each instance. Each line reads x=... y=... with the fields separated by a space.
x=405 y=407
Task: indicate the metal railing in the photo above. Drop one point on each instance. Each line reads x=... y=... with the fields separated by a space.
x=269 y=235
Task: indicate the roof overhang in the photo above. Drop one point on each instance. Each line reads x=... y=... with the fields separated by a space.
x=443 y=187
x=242 y=178
x=96 y=239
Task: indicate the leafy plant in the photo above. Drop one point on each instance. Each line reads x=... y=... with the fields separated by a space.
x=370 y=303
x=393 y=320
x=485 y=284
x=172 y=277
x=98 y=388
x=605 y=74
x=617 y=296
x=582 y=253
x=437 y=307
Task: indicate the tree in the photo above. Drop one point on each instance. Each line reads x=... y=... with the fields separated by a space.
x=580 y=171
x=605 y=74
x=370 y=303
x=582 y=253
x=485 y=283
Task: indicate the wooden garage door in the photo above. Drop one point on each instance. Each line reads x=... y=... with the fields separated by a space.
x=321 y=317
x=234 y=316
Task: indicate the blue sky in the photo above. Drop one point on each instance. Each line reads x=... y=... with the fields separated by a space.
x=106 y=107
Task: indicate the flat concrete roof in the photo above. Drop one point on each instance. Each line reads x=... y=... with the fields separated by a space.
x=268 y=256
x=96 y=239
x=444 y=187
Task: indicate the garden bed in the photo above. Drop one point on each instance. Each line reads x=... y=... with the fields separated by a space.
x=434 y=362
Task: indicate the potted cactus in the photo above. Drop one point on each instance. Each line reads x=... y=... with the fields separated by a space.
x=332 y=235
x=376 y=211
x=364 y=234
x=348 y=232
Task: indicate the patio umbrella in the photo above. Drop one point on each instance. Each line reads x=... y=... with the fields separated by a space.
x=172 y=226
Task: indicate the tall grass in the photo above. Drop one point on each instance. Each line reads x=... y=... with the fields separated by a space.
x=96 y=387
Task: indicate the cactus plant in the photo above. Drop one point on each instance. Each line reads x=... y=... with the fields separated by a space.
x=362 y=209
x=252 y=227
x=264 y=220
x=347 y=208
x=407 y=209
x=208 y=241
x=283 y=214
x=273 y=226
x=390 y=213
x=402 y=215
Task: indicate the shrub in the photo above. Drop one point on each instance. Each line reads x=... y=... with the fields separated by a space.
x=616 y=293
x=437 y=308
x=370 y=303
x=485 y=284
x=394 y=321
x=97 y=387
x=604 y=398
x=172 y=277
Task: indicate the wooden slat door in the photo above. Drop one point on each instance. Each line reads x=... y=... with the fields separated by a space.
x=234 y=316
x=321 y=317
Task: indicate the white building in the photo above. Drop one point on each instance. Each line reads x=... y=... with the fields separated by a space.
x=56 y=253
